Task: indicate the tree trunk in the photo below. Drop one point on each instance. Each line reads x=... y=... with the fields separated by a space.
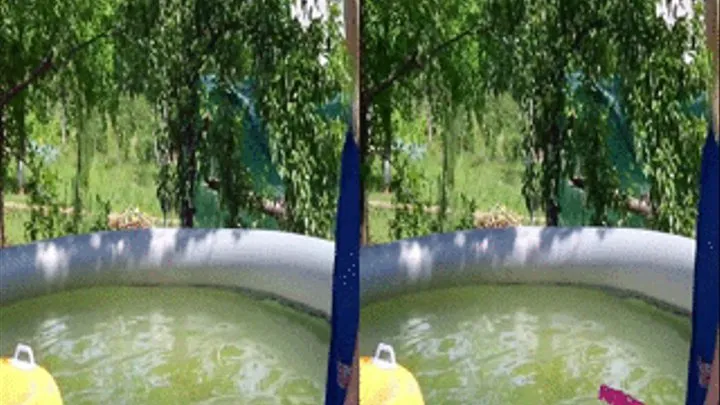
x=386 y=111
x=556 y=137
x=79 y=170
x=553 y=155
x=552 y=206
x=22 y=143
x=356 y=46
x=187 y=164
x=553 y=166
x=428 y=112
x=21 y=177
x=185 y=174
x=2 y=176
x=63 y=117
x=444 y=178
x=362 y=140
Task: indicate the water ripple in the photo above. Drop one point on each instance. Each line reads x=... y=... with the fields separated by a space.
x=170 y=345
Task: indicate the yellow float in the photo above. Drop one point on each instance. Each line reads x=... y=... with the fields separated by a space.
x=384 y=382
x=24 y=382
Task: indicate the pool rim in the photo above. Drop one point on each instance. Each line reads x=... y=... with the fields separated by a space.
x=251 y=262
x=655 y=267
x=297 y=269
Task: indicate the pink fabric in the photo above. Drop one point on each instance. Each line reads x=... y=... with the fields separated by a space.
x=616 y=397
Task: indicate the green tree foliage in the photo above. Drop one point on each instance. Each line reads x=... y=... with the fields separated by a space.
x=293 y=86
x=176 y=45
x=658 y=86
x=604 y=40
x=222 y=153
x=456 y=54
x=102 y=63
x=416 y=54
x=418 y=58
x=168 y=48
x=50 y=51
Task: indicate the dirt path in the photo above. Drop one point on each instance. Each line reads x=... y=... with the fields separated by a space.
x=434 y=209
x=114 y=217
x=480 y=217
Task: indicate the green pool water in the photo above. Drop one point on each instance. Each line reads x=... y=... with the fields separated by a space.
x=171 y=346
x=521 y=344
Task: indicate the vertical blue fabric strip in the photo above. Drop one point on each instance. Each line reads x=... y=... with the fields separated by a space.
x=346 y=285
x=707 y=276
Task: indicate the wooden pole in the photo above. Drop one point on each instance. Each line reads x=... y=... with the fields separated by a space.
x=712 y=24
x=353 y=29
x=352 y=40
x=351 y=14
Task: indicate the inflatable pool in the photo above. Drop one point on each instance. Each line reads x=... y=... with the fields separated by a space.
x=541 y=315
x=500 y=314
x=127 y=317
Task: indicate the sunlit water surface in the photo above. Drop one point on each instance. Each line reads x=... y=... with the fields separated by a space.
x=532 y=345
x=171 y=345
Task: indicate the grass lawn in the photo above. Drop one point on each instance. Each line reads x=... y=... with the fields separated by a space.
x=380 y=225
x=128 y=184
x=125 y=184
x=15 y=226
x=490 y=183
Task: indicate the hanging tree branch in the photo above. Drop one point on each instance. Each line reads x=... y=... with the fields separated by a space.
x=415 y=61
x=49 y=63
x=639 y=206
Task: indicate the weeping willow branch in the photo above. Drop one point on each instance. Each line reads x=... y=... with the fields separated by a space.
x=413 y=62
x=639 y=206
x=50 y=62
x=416 y=61
x=272 y=208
